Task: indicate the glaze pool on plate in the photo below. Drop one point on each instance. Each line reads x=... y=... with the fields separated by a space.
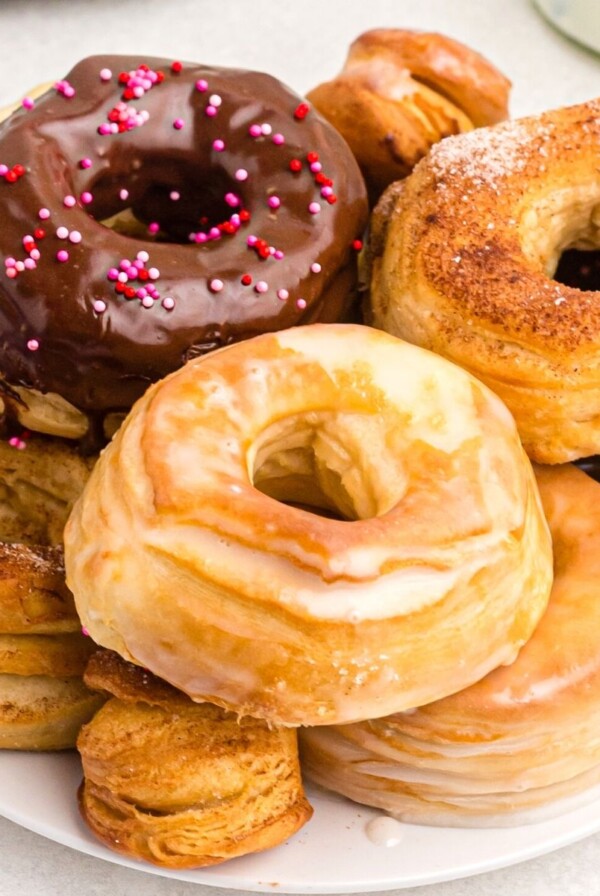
x=332 y=854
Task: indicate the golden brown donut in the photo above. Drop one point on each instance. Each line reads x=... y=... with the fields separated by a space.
x=184 y=556
x=43 y=700
x=520 y=745
x=400 y=91
x=463 y=255
x=181 y=784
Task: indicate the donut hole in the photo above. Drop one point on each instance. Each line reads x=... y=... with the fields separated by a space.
x=561 y=233
x=579 y=269
x=317 y=462
x=181 y=198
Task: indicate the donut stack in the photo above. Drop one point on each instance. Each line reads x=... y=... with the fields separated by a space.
x=319 y=528
x=43 y=699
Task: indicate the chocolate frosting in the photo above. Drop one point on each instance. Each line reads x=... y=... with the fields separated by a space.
x=64 y=327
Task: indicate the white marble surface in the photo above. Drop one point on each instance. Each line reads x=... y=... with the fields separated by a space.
x=302 y=43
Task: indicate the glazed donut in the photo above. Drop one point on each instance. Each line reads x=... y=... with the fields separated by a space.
x=185 y=558
x=399 y=92
x=238 y=791
x=518 y=746
x=241 y=210
x=463 y=255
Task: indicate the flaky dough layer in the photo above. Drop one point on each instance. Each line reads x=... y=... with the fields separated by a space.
x=463 y=254
x=184 y=555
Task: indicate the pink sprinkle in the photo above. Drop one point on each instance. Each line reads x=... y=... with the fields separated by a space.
x=255 y=130
x=261 y=286
x=232 y=200
x=315 y=267
x=62 y=232
x=20 y=265
x=105 y=74
x=314 y=208
x=278 y=139
x=43 y=214
x=174 y=195
x=86 y=198
x=241 y=174
x=168 y=303
x=178 y=124
x=104 y=128
x=84 y=631
x=211 y=111
x=283 y=294
x=62 y=255
x=278 y=254
x=99 y=306
x=85 y=163
x=326 y=191
x=3 y=170
x=147 y=302
x=69 y=201
x=266 y=129
x=215 y=285
x=10 y=262
x=154 y=227
x=301 y=304
x=112 y=274
x=202 y=85
x=11 y=272
x=215 y=100
x=33 y=345
x=27 y=103
x=252 y=240
x=274 y=201
x=123 y=194
x=35 y=254
x=143 y=256
x=75 y=236
x=29 y=264
x=315 y=167
x=153 y=273
x=218 y=145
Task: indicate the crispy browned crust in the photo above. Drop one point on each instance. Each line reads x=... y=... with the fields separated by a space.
x=402 y=91
x=183 y=784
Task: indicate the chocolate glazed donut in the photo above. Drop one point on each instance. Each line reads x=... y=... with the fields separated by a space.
x=247 y=210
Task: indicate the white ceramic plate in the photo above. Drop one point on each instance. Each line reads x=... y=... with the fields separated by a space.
x=332 y=854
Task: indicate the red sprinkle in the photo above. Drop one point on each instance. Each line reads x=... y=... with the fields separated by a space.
x=246 y=279
x=295 y=165
x=301 y=111
x=357 y=245
x=176 y=67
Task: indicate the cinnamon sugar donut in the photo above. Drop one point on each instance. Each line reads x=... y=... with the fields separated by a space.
x=401 y=91
x=518 y=746
x=153 y=211
x=185 y=557
x=463 y=257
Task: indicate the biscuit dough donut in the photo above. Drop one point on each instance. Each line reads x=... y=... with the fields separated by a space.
x=43 y=700
x=153 y=211
x=238 y=791
x=463 y=257
x=401 y=91
x=185 y=557
x=518 y=746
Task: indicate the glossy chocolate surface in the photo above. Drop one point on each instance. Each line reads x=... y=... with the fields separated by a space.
x=174 y=174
